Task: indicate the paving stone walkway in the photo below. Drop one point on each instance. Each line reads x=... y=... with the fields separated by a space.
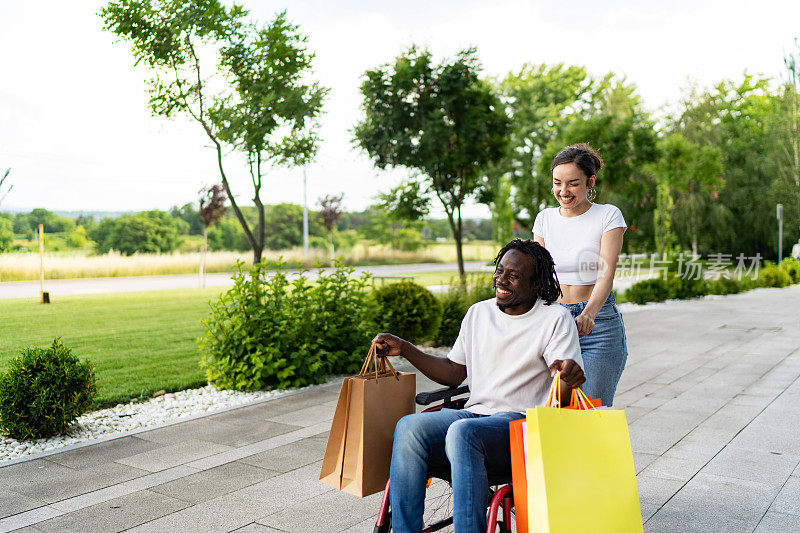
x=711 y=393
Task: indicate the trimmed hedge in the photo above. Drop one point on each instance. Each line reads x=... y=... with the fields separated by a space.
x=43 y=391
x=407 y=310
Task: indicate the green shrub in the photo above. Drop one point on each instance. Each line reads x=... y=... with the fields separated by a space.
x=648 y=290
x=407 y=310
x=792 y=267
x=681 y=288
x=6 y=234
x=268 y=331
x=457 y=300
x=772 y=275
x=43 y=391
x=479 y=287
x=724 y=285
x=454 y=308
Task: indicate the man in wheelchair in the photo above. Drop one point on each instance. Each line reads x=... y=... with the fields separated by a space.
x=508 y=349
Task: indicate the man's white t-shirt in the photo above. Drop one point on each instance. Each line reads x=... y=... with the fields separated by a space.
x=574 y=242
x=508 y=357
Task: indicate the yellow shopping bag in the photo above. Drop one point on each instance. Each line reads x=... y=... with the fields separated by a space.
x=579 y=469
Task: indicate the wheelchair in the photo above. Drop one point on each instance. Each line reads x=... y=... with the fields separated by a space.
x=438 y=499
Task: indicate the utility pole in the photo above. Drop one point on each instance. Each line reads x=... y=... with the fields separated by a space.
x=305 y=215
x=45 y=296
x=780 y=232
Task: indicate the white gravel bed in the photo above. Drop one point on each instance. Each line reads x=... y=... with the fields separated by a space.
x=124 y=418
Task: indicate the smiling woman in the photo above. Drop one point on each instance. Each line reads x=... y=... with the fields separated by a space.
x=585 y=239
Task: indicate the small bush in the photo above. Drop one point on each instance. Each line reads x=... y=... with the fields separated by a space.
x=792 y=267
x=407 y=310
x=457 y=301
x=43 y=391
x=267 y=331
x=454 y=308
x=724 y=286
x=773 y=276
x=648 y=290
x=681 y=288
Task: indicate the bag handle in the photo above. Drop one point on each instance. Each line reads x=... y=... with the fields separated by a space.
x=578 y=397
x=381 y=365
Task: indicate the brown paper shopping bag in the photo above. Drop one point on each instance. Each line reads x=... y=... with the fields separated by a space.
x=359 y=447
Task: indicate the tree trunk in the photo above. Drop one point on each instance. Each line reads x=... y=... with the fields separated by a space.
x=203 y=257
x=455 y=228
x=238 y=212
x=258 y=248
x=330 y=242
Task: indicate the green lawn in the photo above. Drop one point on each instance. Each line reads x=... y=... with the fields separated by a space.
x=139 y=342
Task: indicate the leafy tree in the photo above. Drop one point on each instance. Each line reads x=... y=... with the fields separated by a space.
x=789 y=164
x=442 y=121
x=148 y=231
x=258 y=102
x=101 y=233
x=541 y=100
x=6 y=234
x=387 y=227
x=622 y=131
x=227 y=234
x=330 y=211
x=740 y=118
x=683 y=171
x=28 y=223
x=212 y=208
x=87 y=221
x=78 y=237
x=189 y=214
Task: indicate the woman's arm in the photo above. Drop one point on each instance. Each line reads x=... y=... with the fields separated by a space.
x=610 y=247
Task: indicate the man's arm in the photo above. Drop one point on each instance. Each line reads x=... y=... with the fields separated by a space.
x=439 y=369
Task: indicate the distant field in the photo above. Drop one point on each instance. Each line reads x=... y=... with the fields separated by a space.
x=19 y=266
x=140 y=343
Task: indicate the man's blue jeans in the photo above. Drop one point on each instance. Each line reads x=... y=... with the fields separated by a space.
x=455 y=442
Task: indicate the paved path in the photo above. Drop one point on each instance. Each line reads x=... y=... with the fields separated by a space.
x=60 y=287
x=711 y=392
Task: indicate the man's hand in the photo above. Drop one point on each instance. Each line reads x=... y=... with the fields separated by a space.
x=388 y=344
x=571 y=372
x=585 y=324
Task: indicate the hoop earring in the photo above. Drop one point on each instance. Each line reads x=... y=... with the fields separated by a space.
x=592 y=194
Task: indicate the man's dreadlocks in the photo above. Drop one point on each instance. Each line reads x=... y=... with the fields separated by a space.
x=544 y=270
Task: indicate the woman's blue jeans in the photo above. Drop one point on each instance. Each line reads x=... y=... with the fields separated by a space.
x=604 y=350
x=457 y=443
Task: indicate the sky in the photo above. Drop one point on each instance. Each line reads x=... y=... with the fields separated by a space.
x=78 y=135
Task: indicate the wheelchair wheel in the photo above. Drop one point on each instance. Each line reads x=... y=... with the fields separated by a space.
x=438 y=515
x=438 y=506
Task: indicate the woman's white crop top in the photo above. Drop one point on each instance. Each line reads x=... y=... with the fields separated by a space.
x=574 y=242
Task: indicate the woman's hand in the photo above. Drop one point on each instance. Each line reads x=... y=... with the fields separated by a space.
x=585 y=323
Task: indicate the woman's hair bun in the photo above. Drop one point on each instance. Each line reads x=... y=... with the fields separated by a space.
x=583 y=155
